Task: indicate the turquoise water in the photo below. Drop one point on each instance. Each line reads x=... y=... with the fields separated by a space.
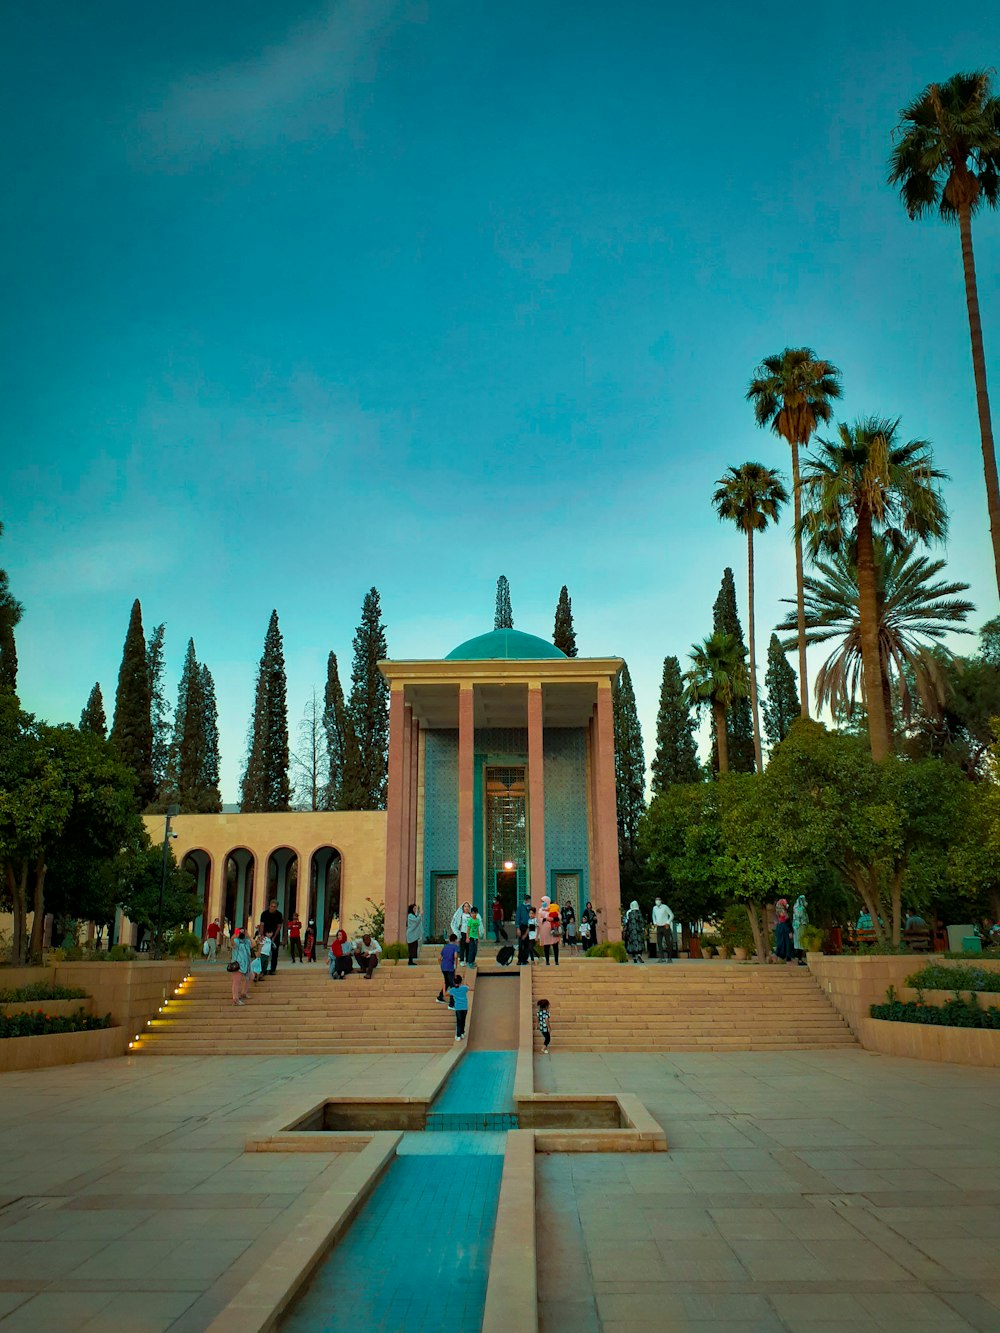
x=416 y=1259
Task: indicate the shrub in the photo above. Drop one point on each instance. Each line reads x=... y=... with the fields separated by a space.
x=812 y=938
x=182 y=944
x=395 y=950
x=609 y=949
x=372 y=920
x=41 y=990
x=954 y=1014
x=39 y=1024
x=734 y=929
x=936 y=977
x=120 y=953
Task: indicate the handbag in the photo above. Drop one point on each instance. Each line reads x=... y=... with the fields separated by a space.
x=233 y=966
x=255 y=965
x=205 y=949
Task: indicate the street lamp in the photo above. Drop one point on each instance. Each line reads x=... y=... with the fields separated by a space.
x=167 y=835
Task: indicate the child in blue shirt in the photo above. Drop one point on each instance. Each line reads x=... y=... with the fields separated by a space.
x=459 y=996
x=448 y=955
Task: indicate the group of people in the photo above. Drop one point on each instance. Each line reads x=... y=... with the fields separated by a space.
x=788 y=928
x=301 y=943
x=635 y=933
x=257 y=958
x=548 y=926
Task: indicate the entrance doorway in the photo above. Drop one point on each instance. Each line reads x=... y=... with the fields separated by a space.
x=507 y=892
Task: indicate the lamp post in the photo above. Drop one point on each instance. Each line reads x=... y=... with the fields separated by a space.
x=167 y=835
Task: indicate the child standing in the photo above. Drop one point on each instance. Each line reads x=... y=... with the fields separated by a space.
x=458 y=994
x=310 y=944
x=474 y=930
x=543 y=1024
x=448 y=955
x=532 y=933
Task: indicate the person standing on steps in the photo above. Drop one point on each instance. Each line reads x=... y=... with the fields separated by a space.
x=569 y=925
x=459 y=924
x=414 y=933
x=240 y=966
x=212 y=940
x=550 y=933
x=590 y=916
x=271 y=922
x=634 y=933
x=458 y=994
x=800 y=919
x=448 y=956
x=532 y=933
x=310 y=944
x=663 y=920
x=473 y=929
x=521 y=920
x=543 y=1025
x=295 y=938
x=498 y=927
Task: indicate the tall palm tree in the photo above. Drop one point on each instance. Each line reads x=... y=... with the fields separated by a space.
x=792 y=393
x=947 y=156
x=862 y=486
x=749 y=496
x=718 y=676
x=915 y=612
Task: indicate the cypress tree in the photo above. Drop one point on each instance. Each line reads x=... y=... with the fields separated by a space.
x=211 y=793
x=630 y=767
x=93 y=718
x=132 y=727
x=266 y=785
x=189 y=738
x=503 y=617
x=781 y=707
x=343 y=769
x=726 y=620
x=159 y=709
x=364 y=779
x=676 y=753
x=564 y=636
x=11 y=611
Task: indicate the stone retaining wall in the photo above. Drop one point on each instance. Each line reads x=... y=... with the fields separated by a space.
x=924 y=1041
x=60 y=1048
x=855 y=982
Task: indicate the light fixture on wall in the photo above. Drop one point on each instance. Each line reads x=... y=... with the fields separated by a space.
x=508 y=865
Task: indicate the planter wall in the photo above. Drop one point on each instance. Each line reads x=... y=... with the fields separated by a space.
x=855 y=983
x=920 y=1041
x=62 y=1008
x=61 y=1048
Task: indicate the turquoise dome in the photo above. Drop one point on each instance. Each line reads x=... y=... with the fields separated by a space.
x=504 y=643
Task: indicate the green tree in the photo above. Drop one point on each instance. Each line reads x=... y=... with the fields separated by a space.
x=781 y=706
x=132 y=726
x=210 y=776
x=718 y=677
x=680 y=846
x=863 y=486
x=630 y=767
x=343 y=764
x=739 y=720
x=65 y=794
x=503 y=617
x=947 y=158
x=266 y=785
x=368 y=708
x=750 y=496
x=957 y=720
x=676 y=752
x=159 y=709
x=11 y=611
x=134 y=879
x=564 y=636
x=915 y=611
x=194 y=766
x=93 y=717
x=792 y=393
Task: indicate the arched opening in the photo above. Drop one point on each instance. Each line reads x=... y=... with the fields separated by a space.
x=324 y=890
x=199 y=864
x=237 y=878
x=283 y=880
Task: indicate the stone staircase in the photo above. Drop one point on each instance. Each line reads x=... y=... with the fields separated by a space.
x=686 y=1006
x=300 y=1011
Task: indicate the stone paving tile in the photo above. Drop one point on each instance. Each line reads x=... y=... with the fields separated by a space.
x=49 y=1311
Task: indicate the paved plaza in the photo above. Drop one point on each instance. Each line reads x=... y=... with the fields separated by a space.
x=809 y=1190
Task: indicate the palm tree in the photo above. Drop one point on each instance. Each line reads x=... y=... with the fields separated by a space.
x=864 y=486
x=792 y=393
x=914 y=615
x=748 y=496
x=947 y=156
x=718 y=676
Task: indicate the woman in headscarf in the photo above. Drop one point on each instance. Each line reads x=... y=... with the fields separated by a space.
x=590 y=917
x=782 y=932
x=242 y=953
x=634 y=933
x=800 y=919
x=341 y=961
x=414 y=933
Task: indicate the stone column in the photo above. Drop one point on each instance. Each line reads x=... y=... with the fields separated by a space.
x=395 y=797
x=404 y=849
x=594 y=843
x=538 y=880
x=606 y=812
x=413 y=889
x=466 y=763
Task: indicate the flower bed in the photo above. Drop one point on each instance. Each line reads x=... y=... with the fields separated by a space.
x=40 y=1024
x=40 y=990
x=939 y=976
x=956 y=1013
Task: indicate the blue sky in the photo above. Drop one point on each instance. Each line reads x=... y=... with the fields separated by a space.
x=306 y=297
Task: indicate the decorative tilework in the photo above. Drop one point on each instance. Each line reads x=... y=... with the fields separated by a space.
x=565 y=750
x=440 y=810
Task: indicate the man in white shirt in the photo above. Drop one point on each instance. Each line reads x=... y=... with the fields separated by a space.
x=663 y=920
x=366 y=952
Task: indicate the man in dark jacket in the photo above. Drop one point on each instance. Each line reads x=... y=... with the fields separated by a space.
x=521 y=921
x=271 y=922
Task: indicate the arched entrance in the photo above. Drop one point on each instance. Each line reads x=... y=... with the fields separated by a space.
x=199 y=864
x=325 y=866
x=283 y=880
x=238 y=878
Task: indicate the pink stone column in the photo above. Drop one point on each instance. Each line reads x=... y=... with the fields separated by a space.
x=466 y=761
x=538 y=882
x=606 y=812
x=395 y=797
x=413 y=889
x=404 y=832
